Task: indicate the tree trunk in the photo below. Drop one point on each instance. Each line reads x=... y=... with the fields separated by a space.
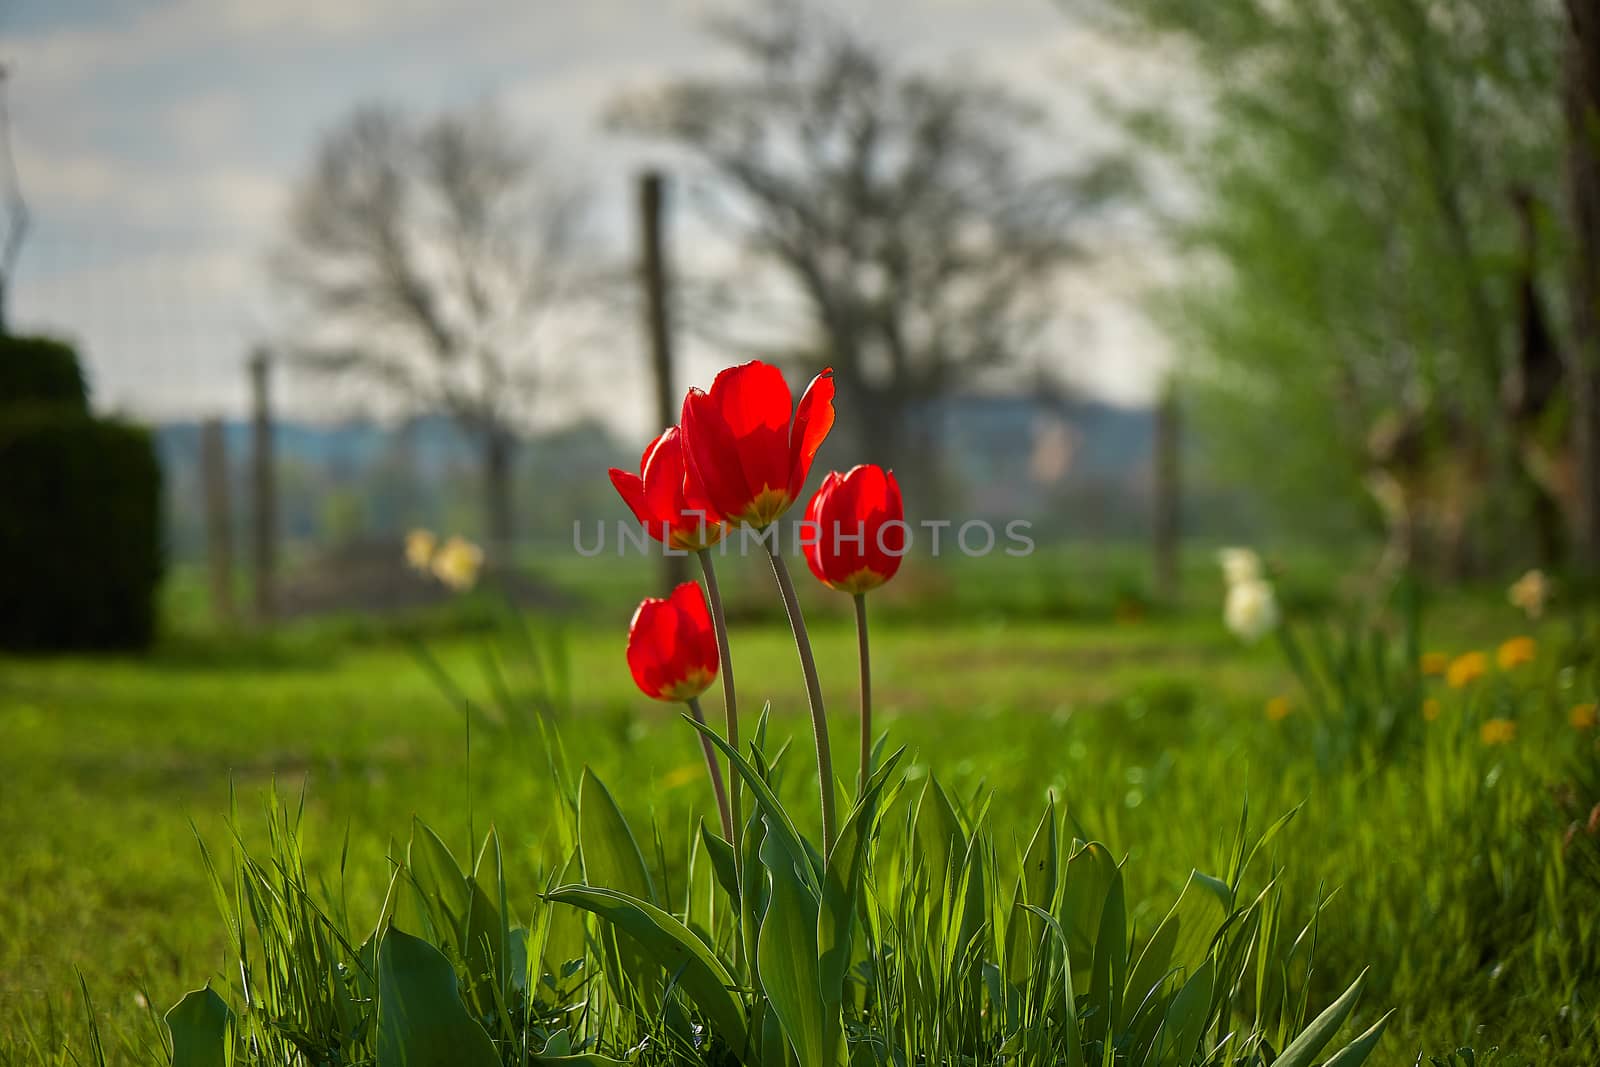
x=499 y=456
x=886 y=436
x=658 y=327
x=1582 y=106
x=263 y=489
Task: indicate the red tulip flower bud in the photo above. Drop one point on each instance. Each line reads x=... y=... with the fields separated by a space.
x=667 y=497
x=672 y=649
x=748 y=445
x=855 y=529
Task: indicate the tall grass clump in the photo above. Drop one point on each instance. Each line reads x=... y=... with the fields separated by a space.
x=916 y=928
x=924 y=937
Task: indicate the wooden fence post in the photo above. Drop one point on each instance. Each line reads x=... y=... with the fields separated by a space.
x=1167 y=503
x=219 y=518
x=658 y=323
x=263 y=488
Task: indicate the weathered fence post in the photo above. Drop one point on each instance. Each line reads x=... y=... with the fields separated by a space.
x=263 y=488
x=1167 y=497
x=658 y=322
x=219 y=518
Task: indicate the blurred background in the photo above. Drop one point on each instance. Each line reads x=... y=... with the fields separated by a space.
x=281 y=283
x=1135 y=274
x=410 y=241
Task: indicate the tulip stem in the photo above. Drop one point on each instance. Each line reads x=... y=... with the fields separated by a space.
x=735 y=816
x=866 y=697
x=715 y=770
x=819 y=717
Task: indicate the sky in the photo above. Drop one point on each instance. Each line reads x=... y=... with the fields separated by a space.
x=158 y=141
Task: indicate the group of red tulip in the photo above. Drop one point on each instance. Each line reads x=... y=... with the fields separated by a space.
x=740 y=459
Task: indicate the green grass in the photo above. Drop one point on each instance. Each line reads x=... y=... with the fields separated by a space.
x=1447 y=864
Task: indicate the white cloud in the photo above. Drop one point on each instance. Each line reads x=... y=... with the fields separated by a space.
x=157 y=149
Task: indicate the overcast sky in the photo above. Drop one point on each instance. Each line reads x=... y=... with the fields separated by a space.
x=157 y=140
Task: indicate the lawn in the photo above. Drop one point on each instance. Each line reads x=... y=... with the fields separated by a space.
x=1447 y=860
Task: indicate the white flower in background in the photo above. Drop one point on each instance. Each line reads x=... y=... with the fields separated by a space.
x=457 y=562
x=1530 y=593
x=1239 y=565
x=1251 y=608
x=419 y=549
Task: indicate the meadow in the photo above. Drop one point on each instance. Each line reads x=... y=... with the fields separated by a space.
x=1443 y=863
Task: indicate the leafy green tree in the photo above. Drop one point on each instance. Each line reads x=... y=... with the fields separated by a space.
x=1350 y=232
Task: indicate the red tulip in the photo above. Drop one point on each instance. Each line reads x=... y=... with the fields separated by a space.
x=667 y=497
x=856 y=530
x=672 y=649
x=747 y=444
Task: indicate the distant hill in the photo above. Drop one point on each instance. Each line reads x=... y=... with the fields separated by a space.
x=1074 y=466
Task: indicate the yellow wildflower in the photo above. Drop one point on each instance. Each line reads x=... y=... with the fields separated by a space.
x=1583 y=716
x=1466 y=669
x=457 y=562
x=419 y=549
x=1530 y=593
x=1435 y=664
x=1498 y=732
x=682 y=776
x=1515 y=652
x=1431 y=708
x=1278 y=709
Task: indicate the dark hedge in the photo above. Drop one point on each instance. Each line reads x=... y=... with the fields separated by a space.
x=41 y=372
x=80 y=532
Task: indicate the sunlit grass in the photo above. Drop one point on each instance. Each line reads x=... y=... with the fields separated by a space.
x=1447 y=863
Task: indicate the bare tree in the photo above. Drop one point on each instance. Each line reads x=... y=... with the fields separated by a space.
x=440 y=263
x=894 y=204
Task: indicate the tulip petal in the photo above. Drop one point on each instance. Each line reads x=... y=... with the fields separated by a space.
x=688 y=598
x=672 y=648
x=756 y=406
x=650 y=637
x=751 y=397
x=812 y=422
x=860 y=529
x=663 y=482
x=696 y=639
x=887 y=545
x=813 y=545
x=712 y=454
x=630 y=487
x=848 y=526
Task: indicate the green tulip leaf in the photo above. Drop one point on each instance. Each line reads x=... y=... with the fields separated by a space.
x=421 y=1019
x=1074 y=1042
x=778 y=823
x=1108 y=945
x=607 y=849
x=201 y=1025
x=787 y=952
x=1180 y=943
x=841 y=886
x=1036 y=887
x=939 y=836
x=439 y=881
x=1184 y=1024
x=670 y=945
x=721 y=853
x=1356 y=1052
x=1314 y=1038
